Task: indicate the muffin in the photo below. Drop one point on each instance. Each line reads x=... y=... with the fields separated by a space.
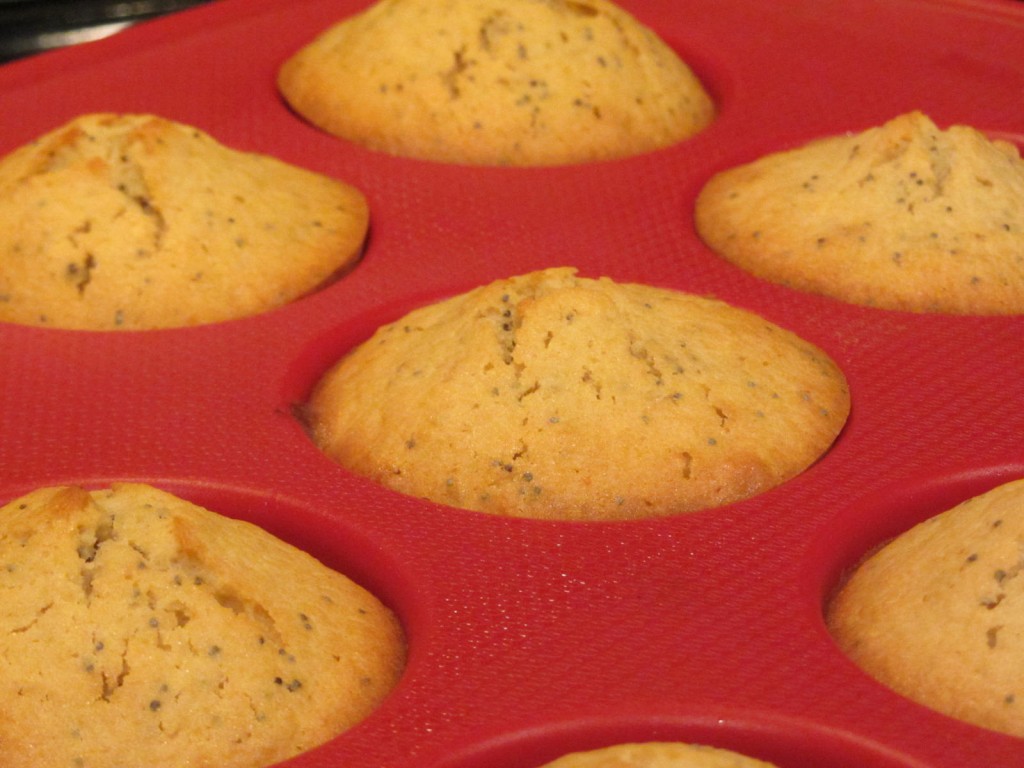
x=557 y=396
x=657 y=755
x=937 y=614
x=497 y=82
x=903 y=216
x=137 y=222
x=139 y=629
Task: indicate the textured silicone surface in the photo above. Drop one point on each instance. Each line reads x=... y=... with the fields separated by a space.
x=531 y=639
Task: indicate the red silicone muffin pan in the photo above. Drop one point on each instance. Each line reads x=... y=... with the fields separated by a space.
x=530 y=639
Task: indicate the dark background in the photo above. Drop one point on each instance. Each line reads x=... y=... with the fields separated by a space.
x=33 y=26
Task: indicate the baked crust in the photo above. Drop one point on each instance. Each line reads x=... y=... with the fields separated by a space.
x=657 y=755
x=553 y=395
x=903 y=216
x=497 y=82
x=937 y=614
x=122 y=222
x=139 y=629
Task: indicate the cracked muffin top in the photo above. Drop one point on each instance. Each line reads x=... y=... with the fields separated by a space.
x=937 y=614
x=497 y=82
x=139 y=629
x=557 y=396
x=134 y=222
x=903 y=216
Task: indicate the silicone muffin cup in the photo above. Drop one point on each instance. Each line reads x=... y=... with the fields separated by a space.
x=530 y=639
